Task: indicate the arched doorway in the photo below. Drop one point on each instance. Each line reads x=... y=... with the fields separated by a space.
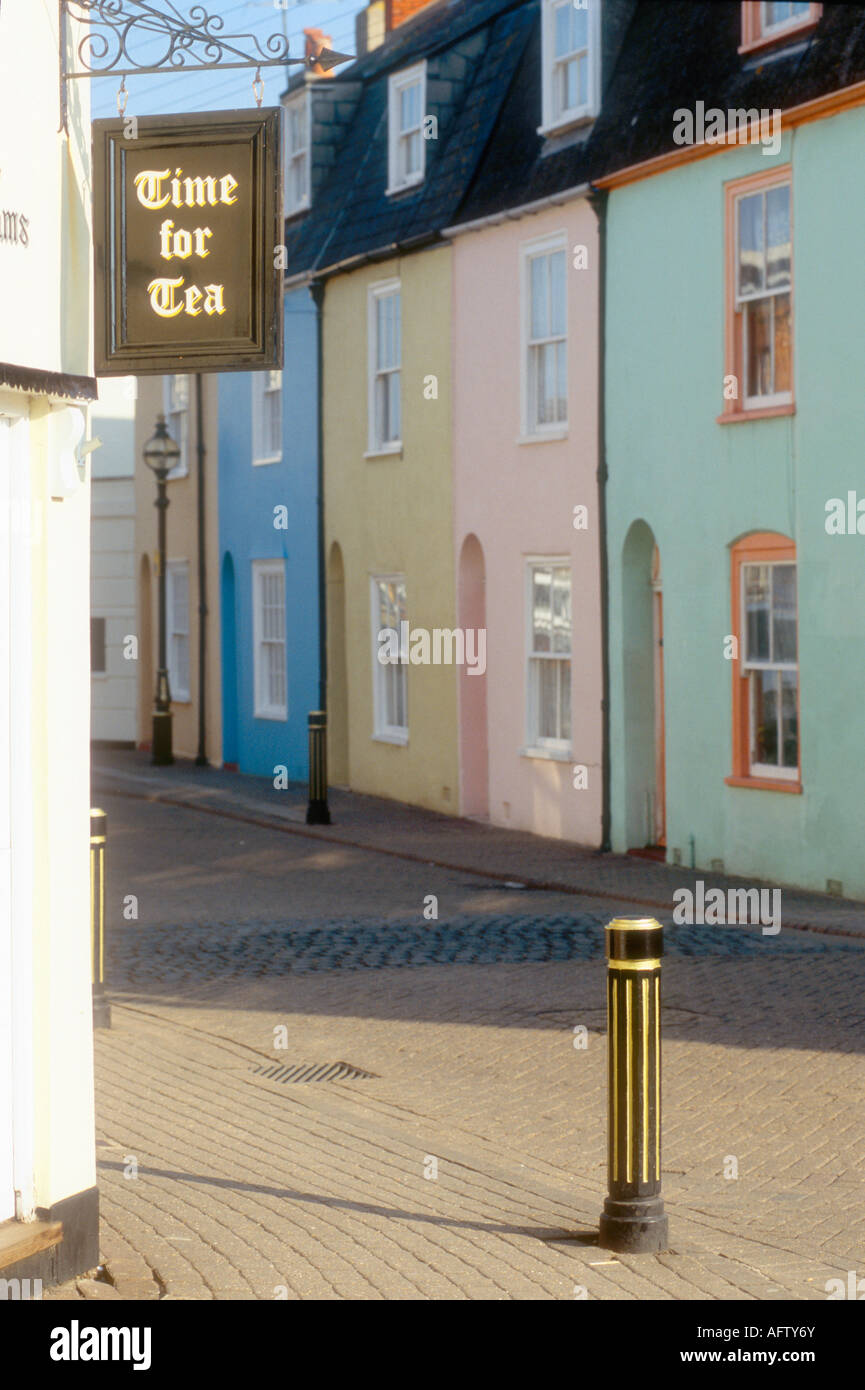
x=228 y=601
x=643 y=669
x=337 y=672
x=474 y=749
x=146 y=666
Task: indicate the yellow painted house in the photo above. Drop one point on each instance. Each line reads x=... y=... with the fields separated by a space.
x=389 y=526
x=382 y=157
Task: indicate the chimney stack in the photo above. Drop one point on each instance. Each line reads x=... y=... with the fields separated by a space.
x=370 y=27
x=398 y=11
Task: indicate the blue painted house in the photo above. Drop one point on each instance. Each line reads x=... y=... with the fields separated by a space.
x=268 y=552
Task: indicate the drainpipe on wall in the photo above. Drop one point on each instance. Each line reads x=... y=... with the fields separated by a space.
x=598 y=200
x=317 y=811
x=201 y=758
x=317 y=291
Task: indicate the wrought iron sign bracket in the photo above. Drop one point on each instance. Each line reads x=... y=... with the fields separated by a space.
x=196 y=44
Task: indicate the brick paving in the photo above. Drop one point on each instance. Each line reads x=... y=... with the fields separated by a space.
x=255 y=946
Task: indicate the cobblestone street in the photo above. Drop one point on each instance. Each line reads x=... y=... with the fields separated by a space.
x=461 y=1153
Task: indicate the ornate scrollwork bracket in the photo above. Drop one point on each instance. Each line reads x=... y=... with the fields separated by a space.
x=117 y=29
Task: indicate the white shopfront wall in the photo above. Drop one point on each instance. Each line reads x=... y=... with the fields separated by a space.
x=47 y=1163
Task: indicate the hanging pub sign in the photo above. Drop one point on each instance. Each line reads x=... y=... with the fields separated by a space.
x=187 y=218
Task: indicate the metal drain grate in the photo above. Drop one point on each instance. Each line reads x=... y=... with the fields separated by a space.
x=305 y=1073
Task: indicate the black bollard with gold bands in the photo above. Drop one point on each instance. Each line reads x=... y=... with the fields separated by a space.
x=633 y=1219
x=318 y=811
x=98 y=837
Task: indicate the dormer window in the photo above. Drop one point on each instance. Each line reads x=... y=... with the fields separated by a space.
x=571 y=62
x=297 y=164
x=406 y=146
x=772 y=22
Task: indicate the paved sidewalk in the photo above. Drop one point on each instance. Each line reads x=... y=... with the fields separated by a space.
x=463 y=1155
x=469 y=1162
x=615 y=882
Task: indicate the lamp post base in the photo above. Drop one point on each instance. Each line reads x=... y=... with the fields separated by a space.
x=635 y=1228
x=318 y=813
x=163 y=755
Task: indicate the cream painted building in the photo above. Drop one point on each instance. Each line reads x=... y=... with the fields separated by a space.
x=113 y=627
x=176 y=398
x=48 y=1194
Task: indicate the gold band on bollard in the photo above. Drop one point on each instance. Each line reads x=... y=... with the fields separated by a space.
x=633 y=1218
x=98 y=841
x=317 y=812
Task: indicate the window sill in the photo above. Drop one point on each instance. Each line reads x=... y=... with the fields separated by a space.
x=769 y=412
x=765 y=784
x=546 y=437
x=767 y=41
x=555 y=755
x=272 y=717
x=582 y=117
x=400 y=740
x=265 y=463
x=303 y=206
x=406 y=187
x=181 y=700
x=385 y=453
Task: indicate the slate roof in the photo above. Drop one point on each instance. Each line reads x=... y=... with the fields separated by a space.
x=352 y=215
x=694 y=56
x=491 y=158
x=675 y=53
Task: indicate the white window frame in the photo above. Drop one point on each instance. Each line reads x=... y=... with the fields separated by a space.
x=531 y=430
x=261 y=388
x=768 y=770
x=740 y=301
x=535 y=744
x=266 y=709
x=179 y=689
x=780 y=26
x=172 y=415
x=381 y=290
x=294 y=155
x=589 y=110
x=396 y=181
x=383 y=732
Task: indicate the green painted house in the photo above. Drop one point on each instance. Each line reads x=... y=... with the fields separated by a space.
x=735 y=441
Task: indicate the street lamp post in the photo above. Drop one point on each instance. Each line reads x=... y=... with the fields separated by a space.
x=161 y=454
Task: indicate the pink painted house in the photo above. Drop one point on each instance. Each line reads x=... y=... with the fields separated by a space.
x=526 y=276
x=525 y=463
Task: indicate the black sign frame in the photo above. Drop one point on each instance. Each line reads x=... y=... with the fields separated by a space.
x=121 y=352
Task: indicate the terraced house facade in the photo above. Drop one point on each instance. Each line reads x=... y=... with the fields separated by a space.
x=424 y=104
x=734 y=436
x=528 y=526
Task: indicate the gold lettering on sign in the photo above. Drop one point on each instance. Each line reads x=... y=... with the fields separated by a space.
x=179 y=243
x=156 y=188
x=213 y=303
x=183 y=192
x=162 y=300
x=164 y=303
